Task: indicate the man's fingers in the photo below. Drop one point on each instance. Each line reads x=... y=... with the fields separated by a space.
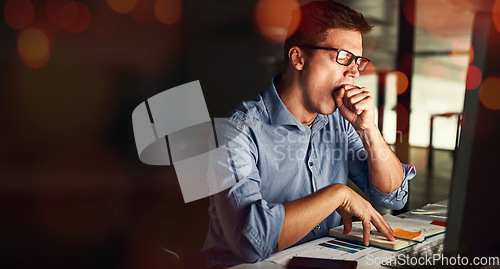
x=353 y=90
x=383 y=227
x=388 y=227
x=338 y=96
x=361 y=105
x=366 y=231
x=381 y=221
x=347 y=224
x=384 y=222
x=358 y=97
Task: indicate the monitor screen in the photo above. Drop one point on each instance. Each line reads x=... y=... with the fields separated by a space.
x=474 y=209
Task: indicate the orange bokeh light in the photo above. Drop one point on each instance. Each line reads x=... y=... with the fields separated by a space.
x=489 y=93
x=473 y=76
x=401 y=81
x=168 y=11
x=274 y=18
x=18 y=14
x=496 y=14
x=462 y=52
x=75 y=17
x=33 y=47
x=122 y=6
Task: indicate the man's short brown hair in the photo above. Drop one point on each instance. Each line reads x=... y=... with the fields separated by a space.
x=317 y=17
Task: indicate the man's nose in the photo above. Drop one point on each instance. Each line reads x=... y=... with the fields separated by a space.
x=352 y=70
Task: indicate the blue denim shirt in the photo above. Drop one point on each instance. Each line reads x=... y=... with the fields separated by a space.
x=283 y=160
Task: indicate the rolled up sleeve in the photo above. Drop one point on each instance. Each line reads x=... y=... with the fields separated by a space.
x=396 y=199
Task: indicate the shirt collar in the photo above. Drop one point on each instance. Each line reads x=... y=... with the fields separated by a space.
x=279 y=113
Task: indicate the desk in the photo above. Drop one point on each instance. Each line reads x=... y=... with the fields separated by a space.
x=367 y=257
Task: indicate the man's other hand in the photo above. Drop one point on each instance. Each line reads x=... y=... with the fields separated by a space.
x=355 y=206
x=355 y=105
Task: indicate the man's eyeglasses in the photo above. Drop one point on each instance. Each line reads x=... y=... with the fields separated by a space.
x=344 y=57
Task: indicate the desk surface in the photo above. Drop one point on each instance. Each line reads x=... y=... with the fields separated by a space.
x=367 y=257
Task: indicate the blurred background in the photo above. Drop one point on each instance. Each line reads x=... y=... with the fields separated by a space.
x=73 y=193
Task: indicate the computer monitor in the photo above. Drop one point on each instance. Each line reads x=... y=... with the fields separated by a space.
x=474 y=209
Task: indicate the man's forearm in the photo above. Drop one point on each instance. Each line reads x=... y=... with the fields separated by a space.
x=384 y=167
x=302 y=215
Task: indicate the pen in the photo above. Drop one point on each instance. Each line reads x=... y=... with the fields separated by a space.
x=402 y=238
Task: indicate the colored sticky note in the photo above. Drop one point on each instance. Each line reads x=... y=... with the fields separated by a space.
x=406 y=234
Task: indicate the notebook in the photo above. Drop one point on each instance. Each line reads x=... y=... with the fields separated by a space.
x=407 y=228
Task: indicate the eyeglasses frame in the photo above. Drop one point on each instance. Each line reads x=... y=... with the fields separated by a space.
x=354 y=58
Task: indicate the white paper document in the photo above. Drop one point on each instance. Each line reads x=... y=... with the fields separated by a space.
x=331 y=248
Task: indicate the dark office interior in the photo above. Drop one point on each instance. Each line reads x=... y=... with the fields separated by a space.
x=73 y=191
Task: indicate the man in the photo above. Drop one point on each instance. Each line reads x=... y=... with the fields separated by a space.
x=293 y=148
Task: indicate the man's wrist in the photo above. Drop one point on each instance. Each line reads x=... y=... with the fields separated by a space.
x=339 y=192
x=369 y=134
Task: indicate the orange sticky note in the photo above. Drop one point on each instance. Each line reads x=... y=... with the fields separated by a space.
x=406 y=234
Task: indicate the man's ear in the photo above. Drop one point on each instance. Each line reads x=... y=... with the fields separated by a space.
x=296 y=57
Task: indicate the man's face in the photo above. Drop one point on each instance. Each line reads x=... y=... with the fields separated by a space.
x=322 y=75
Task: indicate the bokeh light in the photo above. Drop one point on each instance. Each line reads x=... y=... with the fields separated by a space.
x=435 y=70
x=53 y=11
x=143 y=12
x=489 y=93
x=496 y=14
x=168 y=11
x=462 y=52
x=473 y=77
x=401 y=81
x=75 y=17
x=18 y=14
x=435 y=18
x=274 y=18
x=122 y=6
x=33 y=47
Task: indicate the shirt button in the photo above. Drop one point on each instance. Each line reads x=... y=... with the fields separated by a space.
x=318 y=227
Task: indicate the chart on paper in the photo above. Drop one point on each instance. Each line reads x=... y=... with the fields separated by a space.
x=328 y=248
x=342 y=246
